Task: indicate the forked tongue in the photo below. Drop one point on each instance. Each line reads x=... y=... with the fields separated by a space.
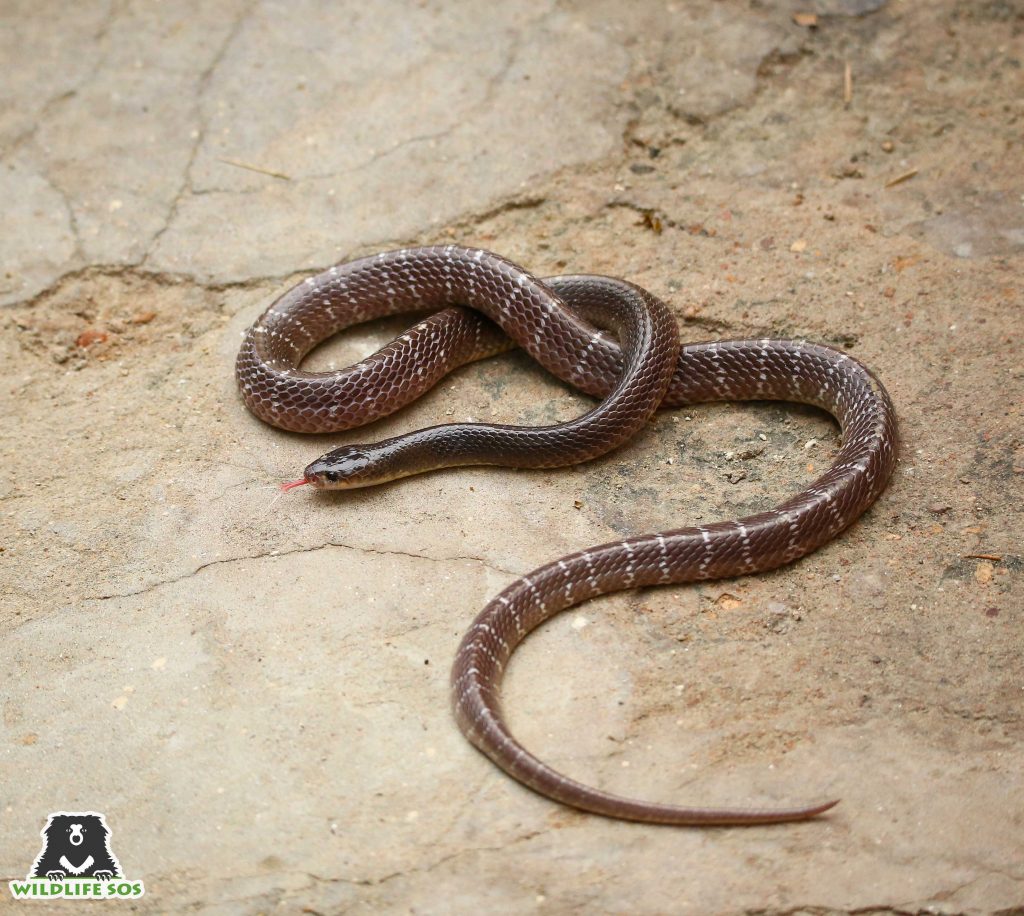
x=292 y=484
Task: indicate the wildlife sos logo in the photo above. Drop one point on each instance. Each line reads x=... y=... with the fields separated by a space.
x=76 y=862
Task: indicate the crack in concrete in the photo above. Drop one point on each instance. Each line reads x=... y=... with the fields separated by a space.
x=376 y=157
x=272 y=554
x=313 y=176
x=377 y=882
x=529 y=202
x=202 y=85
x=50 y=104
x=165 y=278
x=47 y=109
x=816 y=909
x=186 y=186
x=78 y=252
x=907 y=908
x=483 y=104
x=881 y=909
x=425 y=869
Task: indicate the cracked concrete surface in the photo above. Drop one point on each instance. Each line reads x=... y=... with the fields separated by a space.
x=253 y=687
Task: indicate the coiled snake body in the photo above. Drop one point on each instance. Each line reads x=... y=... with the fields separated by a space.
x=635 y=369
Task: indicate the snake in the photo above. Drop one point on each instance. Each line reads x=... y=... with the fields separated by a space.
x=612 y=340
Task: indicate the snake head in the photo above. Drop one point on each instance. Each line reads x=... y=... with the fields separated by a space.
x=375 y=463
x=344 y=468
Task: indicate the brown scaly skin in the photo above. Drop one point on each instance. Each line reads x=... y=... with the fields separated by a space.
x=554 y=321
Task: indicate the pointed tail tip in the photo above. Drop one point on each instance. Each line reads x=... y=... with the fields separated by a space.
x=823 y=807
x=292 y=484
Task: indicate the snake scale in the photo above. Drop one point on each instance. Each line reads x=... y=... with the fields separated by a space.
x=610 y=339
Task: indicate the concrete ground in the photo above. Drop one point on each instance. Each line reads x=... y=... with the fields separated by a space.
x=253 y=687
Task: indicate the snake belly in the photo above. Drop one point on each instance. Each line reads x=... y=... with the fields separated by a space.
x=610 y=339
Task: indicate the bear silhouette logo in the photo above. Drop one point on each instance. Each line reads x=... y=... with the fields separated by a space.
x=76 y=844
x=76 y=862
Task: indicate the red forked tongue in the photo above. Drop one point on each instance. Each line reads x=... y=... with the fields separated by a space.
x=292 y=484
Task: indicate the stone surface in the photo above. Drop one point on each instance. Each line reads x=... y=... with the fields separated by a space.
x=253 y=687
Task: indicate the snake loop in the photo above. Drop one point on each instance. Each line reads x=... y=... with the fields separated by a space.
x=484 y=304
